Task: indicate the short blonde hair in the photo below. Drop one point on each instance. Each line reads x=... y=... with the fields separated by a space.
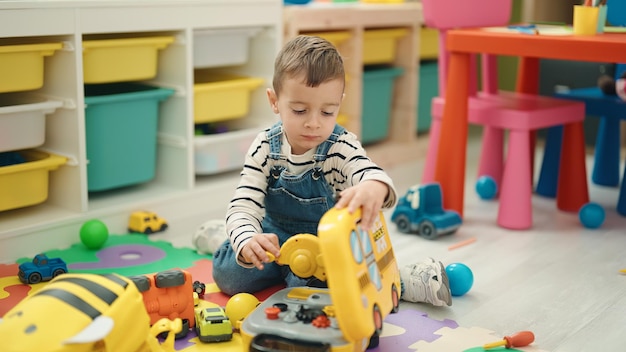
x=313 y=57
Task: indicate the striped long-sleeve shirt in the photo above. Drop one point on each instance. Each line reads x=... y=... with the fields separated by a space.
x=346 y=165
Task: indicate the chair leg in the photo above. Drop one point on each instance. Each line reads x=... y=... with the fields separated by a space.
x=491 y=154
x=549 y=173
x=430 y=164
x=606 y=158
x=572 y=192
x=515 y=210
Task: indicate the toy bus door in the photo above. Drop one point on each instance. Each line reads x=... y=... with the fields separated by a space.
x=363 y=266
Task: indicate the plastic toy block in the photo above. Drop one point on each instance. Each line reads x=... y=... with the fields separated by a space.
x=414 y=326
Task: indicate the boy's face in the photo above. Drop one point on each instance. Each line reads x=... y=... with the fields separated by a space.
x=308 y=113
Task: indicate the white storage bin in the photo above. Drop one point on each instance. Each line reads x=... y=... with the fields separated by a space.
x=225 y=151
x=23 y=120
x=222 y=47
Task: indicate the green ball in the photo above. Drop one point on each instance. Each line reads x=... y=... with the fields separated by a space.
x=93 y=234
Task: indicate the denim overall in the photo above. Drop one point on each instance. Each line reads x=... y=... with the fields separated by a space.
x=293 y=204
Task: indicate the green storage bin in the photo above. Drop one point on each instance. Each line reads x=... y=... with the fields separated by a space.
x=428 y=89
x=121 y=133
x=378 y=86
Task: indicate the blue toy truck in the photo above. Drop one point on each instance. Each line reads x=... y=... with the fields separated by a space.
x=421 y=211
x=41 y=268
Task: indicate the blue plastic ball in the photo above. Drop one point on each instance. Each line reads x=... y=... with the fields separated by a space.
x=486 y=187
x=591 y=215
x=460 y=278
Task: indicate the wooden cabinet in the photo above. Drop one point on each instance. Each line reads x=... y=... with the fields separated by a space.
x=176 y=189
x=357 y=19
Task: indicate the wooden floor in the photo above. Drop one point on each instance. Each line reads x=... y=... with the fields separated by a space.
x=559 y=280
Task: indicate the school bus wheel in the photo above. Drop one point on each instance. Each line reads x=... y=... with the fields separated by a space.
x=395 y=299
x=378 y=319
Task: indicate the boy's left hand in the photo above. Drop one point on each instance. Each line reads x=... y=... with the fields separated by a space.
x=368 y=195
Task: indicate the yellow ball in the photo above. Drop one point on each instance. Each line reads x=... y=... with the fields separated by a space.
x=239 y=306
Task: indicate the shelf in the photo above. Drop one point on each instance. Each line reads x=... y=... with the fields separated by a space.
x=177 y=192
x=357 y=19
x=175 y=189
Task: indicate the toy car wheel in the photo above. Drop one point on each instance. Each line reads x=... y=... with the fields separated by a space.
x=403 y=223
x=199 y=288
x=163 y=227
x=147 y=231
x=58 y=272
x=34 y=278
x=374 y=341
x=427 y=229
x=395 y=299
x=378 y=320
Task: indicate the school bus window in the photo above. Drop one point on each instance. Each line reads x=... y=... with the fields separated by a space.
x=365 y=241
x=375 y=275
x=356 y=247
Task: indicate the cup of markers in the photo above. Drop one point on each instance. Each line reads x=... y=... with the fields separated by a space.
x=590 y=17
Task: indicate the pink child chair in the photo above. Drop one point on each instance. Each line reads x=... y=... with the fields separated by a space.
x=498 y=111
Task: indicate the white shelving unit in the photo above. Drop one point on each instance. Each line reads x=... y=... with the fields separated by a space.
x=176 y=188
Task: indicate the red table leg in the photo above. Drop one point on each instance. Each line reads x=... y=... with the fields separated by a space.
x=451 y=155
x=572 y=192
x=528 y=83
x=528 y=75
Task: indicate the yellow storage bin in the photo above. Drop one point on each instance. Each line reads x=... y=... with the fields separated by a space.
x=342 y=119
x=122 y=59
x=379 y=45
x=429 y=43
x=26 y=183
x=221 y=96
x=336 y=38
x=22 y=65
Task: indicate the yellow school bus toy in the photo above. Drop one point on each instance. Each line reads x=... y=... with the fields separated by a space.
x=363 y=281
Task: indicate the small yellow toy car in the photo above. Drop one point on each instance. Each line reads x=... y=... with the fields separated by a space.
x=146 y=222
x=212 y=325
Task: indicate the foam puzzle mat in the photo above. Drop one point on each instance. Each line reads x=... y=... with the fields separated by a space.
x=135 y=254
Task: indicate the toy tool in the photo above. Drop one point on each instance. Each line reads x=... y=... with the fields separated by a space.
x=519 y=339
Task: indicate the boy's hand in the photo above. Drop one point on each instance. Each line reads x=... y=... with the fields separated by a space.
x=255 y=250
x=369 y=196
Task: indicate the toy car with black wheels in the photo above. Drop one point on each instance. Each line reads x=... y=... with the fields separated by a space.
x=212 y=325
x=421 y=211
x=146 y=222
x=41 y=268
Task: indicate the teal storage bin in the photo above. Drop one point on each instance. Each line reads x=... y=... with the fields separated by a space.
x=121 y=133
x=428 y=89
x=378 y=83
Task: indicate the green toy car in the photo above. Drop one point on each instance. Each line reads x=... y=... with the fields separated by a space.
x=212 y=325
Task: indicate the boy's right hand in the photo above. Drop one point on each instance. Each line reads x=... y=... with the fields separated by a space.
x=255 y=250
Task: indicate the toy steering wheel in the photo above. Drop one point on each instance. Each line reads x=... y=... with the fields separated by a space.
x=302 y=253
